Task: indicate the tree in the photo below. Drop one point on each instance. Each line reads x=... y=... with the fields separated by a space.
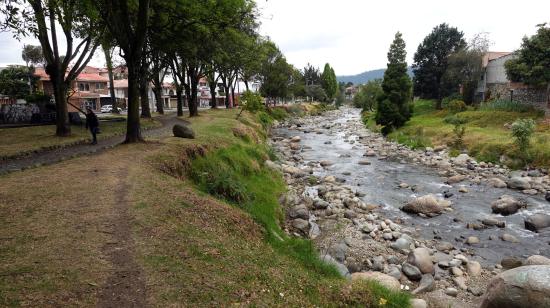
x=532 y=65
x=108 y=49
x=312 y=75
x=39 y=19
x=316 y=92
x=32 y=55
x=329 y=82
x=13 y=81
x=394 y=108
x=297 y=86
x=368 y=94
x=431 y=62
x=275 y=74
x=127 y=22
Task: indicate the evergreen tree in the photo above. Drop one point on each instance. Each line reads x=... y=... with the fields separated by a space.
x=329 y=82
x=393 y=104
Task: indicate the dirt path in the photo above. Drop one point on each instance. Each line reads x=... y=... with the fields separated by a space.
x=125 y=287
x=57 y=155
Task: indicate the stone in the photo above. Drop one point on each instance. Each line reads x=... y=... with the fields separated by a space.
x=473 y=268
x=295 y=146
x=349 y=214
x=378 y=263
x=537 y=260
x=461 y=258
x=510 y=262
x=509 y=238
x=526 y=286
x=497 y=183
x=427 y=205
x=427 y=284
x=370 y=153
x=460 y=282
x=299 y=211
x=451 y=292
x=301 y=224
x=342 y=269
x=338 y=251
x=472 y=240
x=295 y=139
x=325 y=163
x=364 y=162
x=547 y=196
x=444 y=246
x=320 y=204
x=273 y=166
x=387 y=236
x=506 y=205
x=183 y=131
x=493 y=222
x=461 y=159
x=412 y=272
x=520 y=183
x=420 y=257
x=401 y=244
x=418 y=303
x=463 y=189
x=456 y=179
x=537 y=222
x=404 y=185
x=383 y=279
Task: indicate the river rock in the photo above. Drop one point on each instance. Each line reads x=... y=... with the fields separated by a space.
x=295 y=139
x=338 y=251
x=418 y=303
x=456 y=179
x=320 y=204
x=461 y=159
x=299 y=211
x=537 y=222
x=451 y=292
x=472 y=240
x=301 y=224
x=342 y=269
x=506 y=205
x=473 y=268
x=383 y=279
x=537 y=260
x=325 y=163
x=420 y=257
x=456 y=271
x=370 y=153
x=510 y=262
x=364 y=162
x=412 y=272
x=295 y=146
x=526 y=286
x=428 y=205
x=460 y=282
x=183 y=131
x=497 y=183
x=401 y=244
x=509 y=238
x=427 y=284
x=493 y=222
x=444 y=246
x=520 y=183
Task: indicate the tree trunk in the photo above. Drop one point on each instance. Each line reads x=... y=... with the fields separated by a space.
x=158 y=99
x=63 y=127
x=213 y=102
x=233 y=96
x=144 y=98
x=133 y=129
x=246 y=84
x=109 y=62
x=179 y=95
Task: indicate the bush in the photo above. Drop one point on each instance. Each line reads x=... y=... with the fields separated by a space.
x=265 y=119
x=252 y=102
x=507 y=105
x=278 y=113
x=447 y=100
x=522 y=129
x=456 y=106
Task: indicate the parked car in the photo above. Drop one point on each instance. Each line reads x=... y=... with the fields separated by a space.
x=108 y=108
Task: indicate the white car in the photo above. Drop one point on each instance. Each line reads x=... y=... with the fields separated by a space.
x=106 y=108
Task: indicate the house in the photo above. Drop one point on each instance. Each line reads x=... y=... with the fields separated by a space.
x=494 y=83
x=89 y=89
x=350 y=92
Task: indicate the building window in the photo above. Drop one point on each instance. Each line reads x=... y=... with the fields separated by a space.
x=100 y=86
x=83 y=87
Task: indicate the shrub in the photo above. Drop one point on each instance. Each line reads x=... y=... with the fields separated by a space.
x=522 y=129
x=264 y=119
x=447 y=100
x=456 y=106
x=252 y=102
x=507 y=105
x=278 y=113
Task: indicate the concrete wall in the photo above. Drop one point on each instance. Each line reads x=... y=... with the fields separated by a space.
x=495 y=71
x=17 y=113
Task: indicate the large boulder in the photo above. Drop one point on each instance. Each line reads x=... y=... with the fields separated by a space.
x=525 y=286
x=537 y=222
x=342 y=269
x=420 y=257
x=507 y=205
x=520 y=183
x=183 y=131
x=428 y=205
x=537 y=260
x=383 y=279
x=461 y=159
x=497 y=183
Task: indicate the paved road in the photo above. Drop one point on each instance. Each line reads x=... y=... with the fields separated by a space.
x=57 y=155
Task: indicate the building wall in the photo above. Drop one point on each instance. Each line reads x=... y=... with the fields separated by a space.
x=526 y=95
x=495 y=71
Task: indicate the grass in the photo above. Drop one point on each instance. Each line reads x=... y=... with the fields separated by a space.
x=17 y=141
x=486 y=138
x=194 y=249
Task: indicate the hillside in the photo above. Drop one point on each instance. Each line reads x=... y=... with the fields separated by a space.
x=365 y=76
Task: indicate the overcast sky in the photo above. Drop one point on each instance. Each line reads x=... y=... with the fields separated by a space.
x=354 y=35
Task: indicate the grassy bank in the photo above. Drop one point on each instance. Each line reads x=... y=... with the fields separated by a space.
x=16 y=141
x=487 y=136
x=204 y=224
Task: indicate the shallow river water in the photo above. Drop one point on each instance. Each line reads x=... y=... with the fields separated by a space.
x=380 y=184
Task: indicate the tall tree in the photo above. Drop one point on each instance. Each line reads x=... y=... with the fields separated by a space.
x=127 y=22
x=32 y=55
x=394 y=107
x=532 y=64
x=312 y=76
x=431 y=62
x=108 y=49
x=40 y=18
x=13 y=81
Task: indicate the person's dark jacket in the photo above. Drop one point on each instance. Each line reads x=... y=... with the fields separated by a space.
x=91 y=120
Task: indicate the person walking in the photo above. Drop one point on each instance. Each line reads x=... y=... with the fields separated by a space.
x=92 y=123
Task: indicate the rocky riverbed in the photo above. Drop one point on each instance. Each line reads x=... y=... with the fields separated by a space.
x=421 y=221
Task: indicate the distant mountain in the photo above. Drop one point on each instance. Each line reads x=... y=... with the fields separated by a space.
x=365 y=77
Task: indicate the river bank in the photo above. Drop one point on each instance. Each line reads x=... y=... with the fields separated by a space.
x=347 y=185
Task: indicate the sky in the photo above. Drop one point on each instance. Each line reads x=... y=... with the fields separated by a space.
x=354 y=35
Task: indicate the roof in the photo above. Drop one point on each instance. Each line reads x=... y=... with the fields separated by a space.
x=491 y=55
x=88 y=74
x=91 y=77
x=121 y=83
